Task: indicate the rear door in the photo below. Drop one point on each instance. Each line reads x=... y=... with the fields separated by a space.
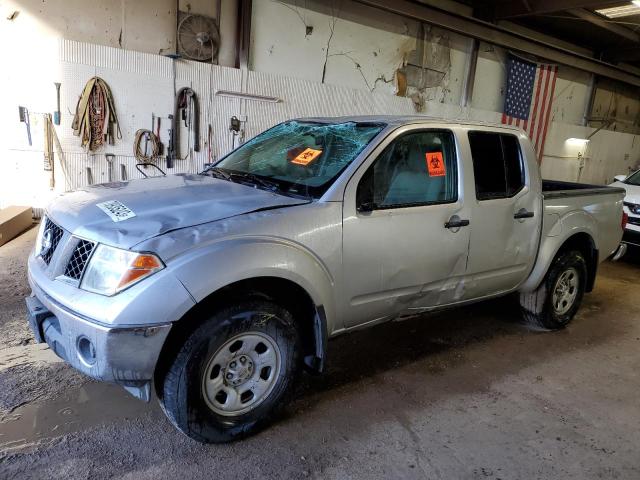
x=402 y=247
x=505 y=213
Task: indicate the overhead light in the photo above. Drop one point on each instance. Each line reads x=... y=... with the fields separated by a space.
x=632 y=8
x=577 y=141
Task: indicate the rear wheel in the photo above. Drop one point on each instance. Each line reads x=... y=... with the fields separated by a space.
x=555 y=302
x=233 y=373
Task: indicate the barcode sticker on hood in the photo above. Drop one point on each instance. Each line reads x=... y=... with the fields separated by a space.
x=116 y=210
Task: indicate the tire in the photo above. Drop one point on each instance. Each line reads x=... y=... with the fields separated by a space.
x=568 y=276
x=189 y=392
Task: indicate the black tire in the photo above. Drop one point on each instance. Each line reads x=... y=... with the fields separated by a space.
x=182 y=395
x=537 y=307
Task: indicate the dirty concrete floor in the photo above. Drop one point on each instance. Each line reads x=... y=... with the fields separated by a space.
x=463 y=394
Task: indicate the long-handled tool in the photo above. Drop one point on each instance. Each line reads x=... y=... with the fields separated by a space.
x=160 y=144
x=110 y=158
x=170 y=147
x=24 y=118
x=56 y=114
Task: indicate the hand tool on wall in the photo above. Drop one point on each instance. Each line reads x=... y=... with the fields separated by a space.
x=170 y=149
x=48 y=148
x=209 y=146
x=89 y=176
x=110 y=158
x=160 y=144
x=123 y=172
x=24 y=118
x=56 y=114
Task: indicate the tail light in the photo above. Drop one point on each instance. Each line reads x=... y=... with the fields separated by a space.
x=625 y=219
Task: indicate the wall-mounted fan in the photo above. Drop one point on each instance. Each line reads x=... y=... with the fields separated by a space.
x=198 y=37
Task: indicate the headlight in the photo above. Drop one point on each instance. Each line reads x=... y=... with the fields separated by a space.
x=38 y=246
x=111 y=270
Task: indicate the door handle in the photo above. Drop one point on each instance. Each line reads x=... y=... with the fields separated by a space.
x=456 y=222
x=522 y=213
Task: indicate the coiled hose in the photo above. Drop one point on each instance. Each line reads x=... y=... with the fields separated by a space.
x=141 y=152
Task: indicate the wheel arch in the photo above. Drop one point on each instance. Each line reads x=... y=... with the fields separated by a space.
x=285 y=292
x=581 y=241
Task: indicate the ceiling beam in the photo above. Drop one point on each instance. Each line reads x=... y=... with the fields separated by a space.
x=622 y=54
x=524 y=8
x=490 y=33
x=602 y=23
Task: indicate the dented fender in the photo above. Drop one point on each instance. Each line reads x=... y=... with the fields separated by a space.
x=207 y=269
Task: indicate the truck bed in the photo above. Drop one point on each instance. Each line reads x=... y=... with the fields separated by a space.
x=557 y=189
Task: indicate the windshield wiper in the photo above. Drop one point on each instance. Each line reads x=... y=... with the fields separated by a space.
x=255 y=179
x=218 y=173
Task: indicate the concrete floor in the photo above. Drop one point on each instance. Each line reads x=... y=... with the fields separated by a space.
x=464 y=394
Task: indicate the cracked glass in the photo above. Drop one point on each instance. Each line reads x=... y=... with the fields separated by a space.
x=298 y=157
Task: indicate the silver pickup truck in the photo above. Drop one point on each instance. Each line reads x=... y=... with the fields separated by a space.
x=221 y=287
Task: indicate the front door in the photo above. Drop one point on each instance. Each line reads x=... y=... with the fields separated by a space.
x=505 y=213
x=405 y=237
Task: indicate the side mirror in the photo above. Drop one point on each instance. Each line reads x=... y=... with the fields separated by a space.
x=620 y=178
x=366 y=207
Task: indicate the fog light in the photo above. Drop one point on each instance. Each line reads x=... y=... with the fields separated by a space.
x=86 y=351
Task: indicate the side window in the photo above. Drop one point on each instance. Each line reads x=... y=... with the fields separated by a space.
x=416 y=169
x=513 y=164
x=497 y=165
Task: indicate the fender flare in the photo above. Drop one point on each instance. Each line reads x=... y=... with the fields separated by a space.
x=567 y=227
x=213 y=266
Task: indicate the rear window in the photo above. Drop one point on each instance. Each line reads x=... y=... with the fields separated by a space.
x=497 y=165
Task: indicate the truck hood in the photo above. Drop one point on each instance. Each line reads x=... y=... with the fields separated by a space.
x=633 y=192
x=156 y=205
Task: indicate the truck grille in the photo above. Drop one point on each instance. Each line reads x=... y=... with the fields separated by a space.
x=634 y=221
x=54 y=237
x=78 y=260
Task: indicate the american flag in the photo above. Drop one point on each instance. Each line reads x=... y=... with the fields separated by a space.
x=530 y=88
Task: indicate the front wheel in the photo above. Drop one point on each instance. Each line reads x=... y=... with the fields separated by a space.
x=233 y=373
x=555 y=302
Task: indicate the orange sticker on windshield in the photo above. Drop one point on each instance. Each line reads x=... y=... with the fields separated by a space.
x=307 y=156
x=435 y=164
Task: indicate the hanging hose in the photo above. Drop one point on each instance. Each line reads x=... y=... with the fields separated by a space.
x=95 y=120
x=186 y=106
x=141 y=153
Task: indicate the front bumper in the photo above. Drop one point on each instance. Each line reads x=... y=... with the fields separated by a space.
x=123 y=355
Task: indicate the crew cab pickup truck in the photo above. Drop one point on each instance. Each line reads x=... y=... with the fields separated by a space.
x=220 y=287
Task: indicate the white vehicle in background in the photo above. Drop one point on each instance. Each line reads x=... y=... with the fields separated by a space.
x=631 y=184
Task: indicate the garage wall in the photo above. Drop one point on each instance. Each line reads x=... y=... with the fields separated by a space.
x=143 y=84
x=140 y=25
x=376 y=65
x=616 y=106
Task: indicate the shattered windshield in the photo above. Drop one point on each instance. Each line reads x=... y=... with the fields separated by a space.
x=300 y=158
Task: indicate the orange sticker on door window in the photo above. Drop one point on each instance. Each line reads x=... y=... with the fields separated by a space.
x=307 y=156
x=435 y=164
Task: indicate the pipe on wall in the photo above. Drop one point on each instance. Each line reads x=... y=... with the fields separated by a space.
x=470 y=73
x=228 y=33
